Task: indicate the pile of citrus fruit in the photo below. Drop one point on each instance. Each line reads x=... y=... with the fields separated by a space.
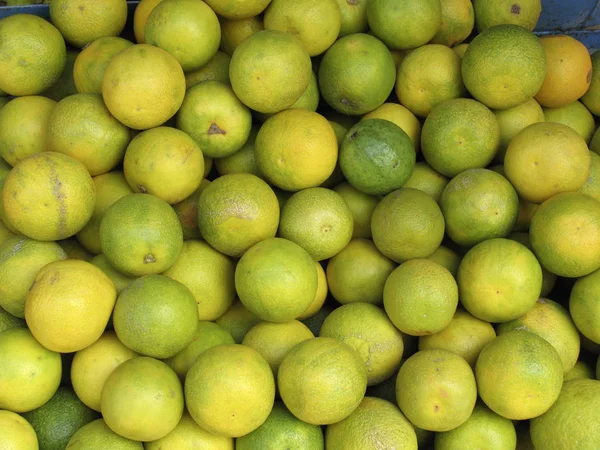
x=307 y=224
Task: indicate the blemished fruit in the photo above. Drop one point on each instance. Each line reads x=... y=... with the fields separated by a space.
x=36 y=42
x=493 y=12
x=225 y=400
x=49 y=196
x=436 y=390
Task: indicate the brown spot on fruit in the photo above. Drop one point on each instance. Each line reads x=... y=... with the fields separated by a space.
x=149 y=259
x=353 y=136
x=352 y=2
x=215 y=129
x=81 y=8
x=436 y=408
x=515 y=9
x=142 y=189
x=589 y=76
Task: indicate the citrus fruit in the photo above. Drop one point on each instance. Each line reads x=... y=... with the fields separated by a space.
x=92 y=365
x=425 y=179
x=91 y=63
x=214 y=117
x=97 y=435
x=504 y=66
x=575 y=115
x=20 y=260
x=446 y=257
x=591 y=99
x=584 y=310
x=31 y=373
x=524 y=13
x=367 y=329
x=282 y=430
x=273 y=340
x=142 y=399
x=376 y=423
x=356 y=74
x=236 y=211
x=208 y=274
x=436 y=390
x=318 y=220
x=24 y=127
x=563 y=231
x=420 y=297
x=545 y=159
x=316 y=22
x=427 y=76
x=49 y=196
x=140 y=234
x=156 y=316
x=276 y=279
x=519 y=375
x=465 y=335
x=581 y=369
x=189 y=435
x=8 y=321
x=243 y=160
x=358 y=273
x=57 y=420
x=499 y=280
x=569 y=71
x=82 y=22
x=16 y=432
x=551 y=321
x=322 y=380
x=143 y=86
x=402 y=117
x=407 y=224
x=237 y=320
x=353 y=17
x=225 y=400
x=82 y=127
x=571 y=419
x=311 y=96
x=361 y=206
x=202 y=31
x=270 y=70
x=484 y=429
x=234 y=31
x=187 y=211
x=65 y=85
x=238 y=9
x=404 y=26
x=296 y=149
x=216 y=69
x=140 y=17
x=320 y=296
x=376 y=156
x=164 y=162
x=69 y=304
x=479 y=204
x=110 y=187
x=208 y=334
x=458 y=19
x=459 y=134
x=513 y=120
x=33 y=54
